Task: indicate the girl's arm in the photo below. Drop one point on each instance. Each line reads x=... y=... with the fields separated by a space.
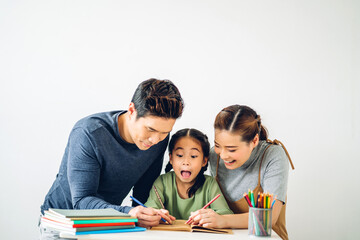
x=209 y=218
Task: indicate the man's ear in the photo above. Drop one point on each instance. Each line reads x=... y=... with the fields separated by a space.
x=205 y=161
x=132 y=110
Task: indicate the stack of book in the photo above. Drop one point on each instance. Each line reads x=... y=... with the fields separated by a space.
x=89 y=221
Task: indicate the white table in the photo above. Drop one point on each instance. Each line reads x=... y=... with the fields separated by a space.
x=173 y=235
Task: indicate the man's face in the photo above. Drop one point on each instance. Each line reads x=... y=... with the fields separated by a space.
x=150 y=130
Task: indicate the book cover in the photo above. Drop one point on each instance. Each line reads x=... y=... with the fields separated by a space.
x=58 y=227
x=179 y=225
x=87 y=213
x=135 y=229
x=94 y=220
x=78 y=226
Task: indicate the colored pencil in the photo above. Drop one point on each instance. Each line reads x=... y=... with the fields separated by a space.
x=257 y=201
x=158 y=196
x=208 y=204
x=247 y=199
x=252 y=199
x=272 y=205
x=264 y=201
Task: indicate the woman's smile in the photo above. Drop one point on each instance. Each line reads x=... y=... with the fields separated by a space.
x=229 y=163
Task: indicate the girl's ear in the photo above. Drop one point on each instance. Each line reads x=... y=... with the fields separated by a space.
x=170 y=158
x=205 y=161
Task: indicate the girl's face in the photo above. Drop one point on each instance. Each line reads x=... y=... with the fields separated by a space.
x=231 y=149
x=187 y=159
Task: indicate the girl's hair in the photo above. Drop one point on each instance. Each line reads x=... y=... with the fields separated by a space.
x=242 y=120
x=205 y=145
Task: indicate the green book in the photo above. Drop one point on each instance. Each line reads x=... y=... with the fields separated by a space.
x=69 y=228
x=88 y=216
x=88 y=213
x=104 y=221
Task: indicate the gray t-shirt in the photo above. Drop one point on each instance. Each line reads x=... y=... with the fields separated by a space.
x=273 y=175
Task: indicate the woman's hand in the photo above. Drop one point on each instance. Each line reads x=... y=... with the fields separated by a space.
x=208 y=218
x=149 y=217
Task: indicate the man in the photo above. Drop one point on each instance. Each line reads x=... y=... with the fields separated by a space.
x=110 y=153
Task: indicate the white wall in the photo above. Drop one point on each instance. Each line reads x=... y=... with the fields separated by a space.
x=295 y=62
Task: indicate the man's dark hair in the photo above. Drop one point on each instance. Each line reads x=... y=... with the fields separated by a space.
x=159 y=98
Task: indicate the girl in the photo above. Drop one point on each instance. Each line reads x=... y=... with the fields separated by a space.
x=243 y=158
x=187 y=189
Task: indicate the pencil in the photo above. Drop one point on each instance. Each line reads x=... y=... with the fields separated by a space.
x=261 y=200
x=252 y=198
x=140 y=203
x=273 y=202
x=247 y=199
x=264 y=201
x=158 y=196
x=208 y=204
x=257 y=201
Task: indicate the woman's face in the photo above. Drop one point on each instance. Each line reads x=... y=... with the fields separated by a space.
x=231 y=149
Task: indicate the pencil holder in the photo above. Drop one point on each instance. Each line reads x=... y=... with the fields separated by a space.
x=260 y=222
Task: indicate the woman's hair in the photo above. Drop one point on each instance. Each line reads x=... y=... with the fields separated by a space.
x=159 y=98
x=205 y=147
x=242 y=120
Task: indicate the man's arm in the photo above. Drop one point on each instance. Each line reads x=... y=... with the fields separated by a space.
x=83 y=170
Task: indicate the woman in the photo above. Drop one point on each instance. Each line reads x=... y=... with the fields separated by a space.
x=243 y=158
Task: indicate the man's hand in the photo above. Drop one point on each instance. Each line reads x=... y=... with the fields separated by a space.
x=148 y=217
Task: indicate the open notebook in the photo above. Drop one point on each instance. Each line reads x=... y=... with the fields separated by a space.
x=179 y=225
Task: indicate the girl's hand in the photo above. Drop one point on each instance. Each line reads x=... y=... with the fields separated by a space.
x=165 y=214
x=207 y=218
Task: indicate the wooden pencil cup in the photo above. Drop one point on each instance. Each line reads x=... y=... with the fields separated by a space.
x=260 y=222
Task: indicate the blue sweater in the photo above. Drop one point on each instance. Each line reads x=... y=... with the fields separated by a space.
x=99 y=168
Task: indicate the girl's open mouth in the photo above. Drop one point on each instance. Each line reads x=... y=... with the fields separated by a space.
x=185 y=174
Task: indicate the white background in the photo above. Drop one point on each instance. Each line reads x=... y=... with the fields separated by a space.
x=295 y=62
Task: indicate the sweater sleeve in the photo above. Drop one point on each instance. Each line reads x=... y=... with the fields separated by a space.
x=275 y=174
x=83 y=170
x=220 y=205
